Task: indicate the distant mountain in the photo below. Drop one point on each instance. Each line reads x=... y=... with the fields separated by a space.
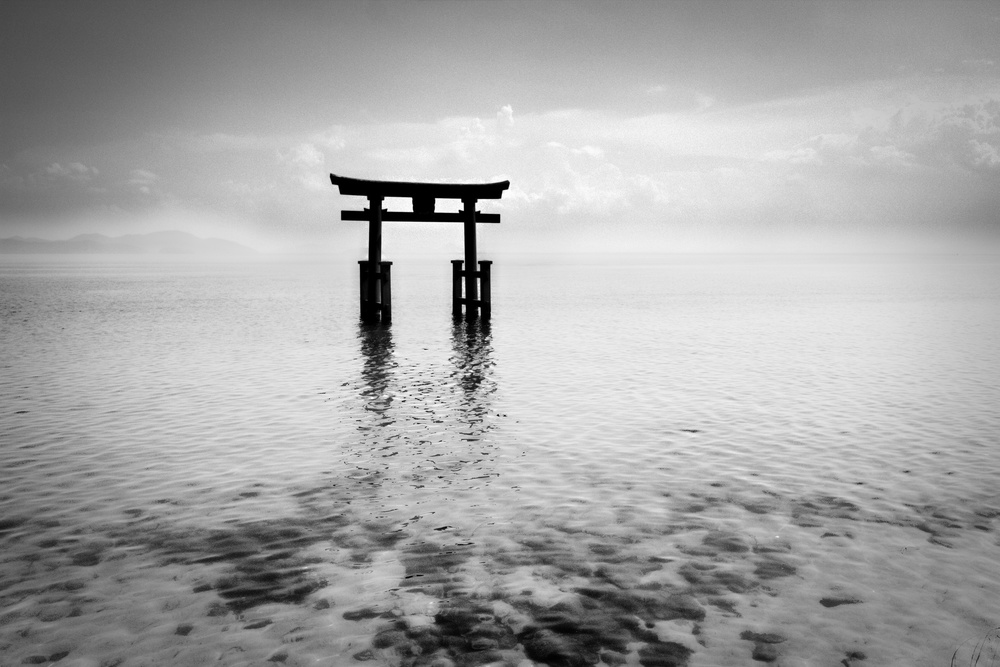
x=163 y=243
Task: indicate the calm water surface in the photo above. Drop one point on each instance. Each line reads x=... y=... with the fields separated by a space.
x=660 y=461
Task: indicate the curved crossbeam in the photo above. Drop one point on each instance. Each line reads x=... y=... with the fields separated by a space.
x=366 y=188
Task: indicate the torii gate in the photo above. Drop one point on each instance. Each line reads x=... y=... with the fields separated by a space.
x=376 y=300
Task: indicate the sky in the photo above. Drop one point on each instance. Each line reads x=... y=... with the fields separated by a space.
x=747 y=126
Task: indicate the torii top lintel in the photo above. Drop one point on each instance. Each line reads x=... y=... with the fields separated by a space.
x=366 y=188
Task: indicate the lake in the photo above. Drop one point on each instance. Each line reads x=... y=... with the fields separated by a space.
x=642 y=460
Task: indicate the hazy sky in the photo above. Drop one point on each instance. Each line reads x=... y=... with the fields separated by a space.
x=652 y=125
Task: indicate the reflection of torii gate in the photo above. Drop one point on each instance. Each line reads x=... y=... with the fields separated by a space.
x=376 y=300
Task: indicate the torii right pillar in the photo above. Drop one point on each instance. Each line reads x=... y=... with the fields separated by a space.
x=476 y=274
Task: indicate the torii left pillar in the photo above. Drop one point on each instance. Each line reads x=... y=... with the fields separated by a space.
x=376 y=304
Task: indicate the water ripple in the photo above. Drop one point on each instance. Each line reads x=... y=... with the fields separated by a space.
x=200 y=458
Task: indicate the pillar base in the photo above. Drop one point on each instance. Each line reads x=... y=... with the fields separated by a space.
x=376 y=300
x=480 y=307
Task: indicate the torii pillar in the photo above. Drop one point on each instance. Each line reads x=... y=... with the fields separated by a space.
x=375 y=277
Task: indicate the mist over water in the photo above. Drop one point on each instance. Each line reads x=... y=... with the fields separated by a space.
x=700 y=460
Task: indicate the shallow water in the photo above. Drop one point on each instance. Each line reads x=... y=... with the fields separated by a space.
x=665 y=461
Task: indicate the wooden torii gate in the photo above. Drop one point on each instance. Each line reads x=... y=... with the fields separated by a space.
x=376 y=288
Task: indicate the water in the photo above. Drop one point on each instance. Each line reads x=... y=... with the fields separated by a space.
x=665 y=461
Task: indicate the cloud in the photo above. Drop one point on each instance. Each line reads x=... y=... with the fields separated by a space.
x=984 y=154
x=965 y=137
x=574 y=164
x=53 y=180
x=652 y=188
x=53 y=188
x=142 y=177
x=555 y=179
x=222 y=142
x=704 y=101
x=143 y=180
x=505 y=117
x=408 y=158
x=788 y=164
x=451 y=146
x=304 y=166
x=73 y=171
x=589 y=151
x=841 y=149
x=333 y=138
x=980 y=65
x=679 y=98
x=575 y=182
x=601 y=189
x=304 y=154
x=800 y=154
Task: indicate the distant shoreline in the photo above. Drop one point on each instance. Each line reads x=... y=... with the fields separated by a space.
x=155 y=243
